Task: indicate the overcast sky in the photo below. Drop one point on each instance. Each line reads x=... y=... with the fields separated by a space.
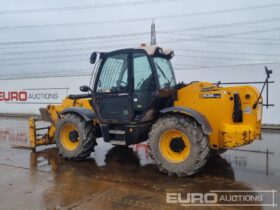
x=203 y=33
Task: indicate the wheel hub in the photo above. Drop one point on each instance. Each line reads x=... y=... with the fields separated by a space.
x=174 y=146
x=177 y=144
x=73 y=136
x=69 y=137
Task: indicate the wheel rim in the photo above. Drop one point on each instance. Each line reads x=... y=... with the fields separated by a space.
x=174 y=146
x=69 y=137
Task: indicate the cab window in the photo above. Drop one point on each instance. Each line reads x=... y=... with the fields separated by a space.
x=114 y=74
x=165 y=72
x=143 y=77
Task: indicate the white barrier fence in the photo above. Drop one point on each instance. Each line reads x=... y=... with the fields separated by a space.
x=26 y=96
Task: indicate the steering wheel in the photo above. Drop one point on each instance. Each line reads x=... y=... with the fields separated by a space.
x=121 y=83
x=140 y=83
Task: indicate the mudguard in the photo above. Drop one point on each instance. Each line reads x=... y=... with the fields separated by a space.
x=87 y=114
x=200 y=118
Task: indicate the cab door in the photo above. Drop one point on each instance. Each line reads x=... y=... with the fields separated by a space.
x=112 y=98
x=144 y=86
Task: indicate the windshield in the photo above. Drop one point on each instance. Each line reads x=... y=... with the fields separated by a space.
x=165 y=72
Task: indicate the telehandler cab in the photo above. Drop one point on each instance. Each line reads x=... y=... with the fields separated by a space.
x=135 y=98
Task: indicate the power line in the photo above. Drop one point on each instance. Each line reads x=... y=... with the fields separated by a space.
x=219 y=58
x=206 y=39
x=46 y=62
x=246 y=32
x=46 y=76
x=257 y=39
x=77 y=23
x=229 y=53
x=138 y=20
x=88 y=74
x=115 y=46
x=46 y=72
x=46 y=51
x=176 y=49
x=223 y=35
x=65 y=49
x=87 y=54
x=43 y=74
x=74 y=39
x=84 y=55
x=110 y=46
x=229 y=24
x=213 y=12
x=226 y=66
x=163 y=31
x=83 y=42
x=242 y=38
x=125 y=35
x=129 y=35
x=45 y=57
x=233 y=10
x=85 y=7
x=185 y=65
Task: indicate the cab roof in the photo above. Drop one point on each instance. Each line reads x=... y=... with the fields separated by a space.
x=154 y=49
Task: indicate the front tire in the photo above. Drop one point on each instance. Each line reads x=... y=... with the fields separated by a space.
x=178 y=145
x=74 y=137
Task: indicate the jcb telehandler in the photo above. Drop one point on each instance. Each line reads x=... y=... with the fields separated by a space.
x=135 y=98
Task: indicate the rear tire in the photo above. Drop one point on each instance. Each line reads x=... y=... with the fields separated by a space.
x=74 y=137
x=178 y=145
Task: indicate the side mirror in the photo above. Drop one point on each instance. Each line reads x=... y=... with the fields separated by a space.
x=85 y=88
x=93 y=58
x=268 y=72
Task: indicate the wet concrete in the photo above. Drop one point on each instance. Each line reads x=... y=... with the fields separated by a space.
x=123 y=178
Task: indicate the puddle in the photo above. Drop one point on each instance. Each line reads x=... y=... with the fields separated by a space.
x=125 y=177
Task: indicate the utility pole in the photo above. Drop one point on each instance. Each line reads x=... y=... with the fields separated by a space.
x=153 y=33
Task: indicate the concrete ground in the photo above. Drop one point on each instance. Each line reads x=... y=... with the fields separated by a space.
x=125 y=178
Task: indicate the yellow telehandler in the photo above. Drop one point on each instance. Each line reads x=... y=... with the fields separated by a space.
x=135 y=98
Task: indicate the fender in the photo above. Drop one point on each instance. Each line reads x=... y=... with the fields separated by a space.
x=200 y=118
x=87 y=114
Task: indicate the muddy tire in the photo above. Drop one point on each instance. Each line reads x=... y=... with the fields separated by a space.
x=178 y=145
x=74 y=137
